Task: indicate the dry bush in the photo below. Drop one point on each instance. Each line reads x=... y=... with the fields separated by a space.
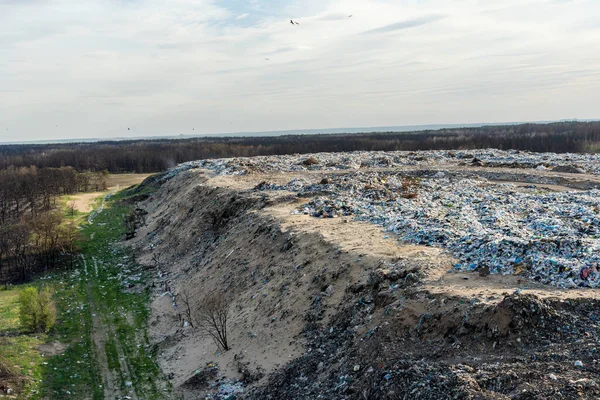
x=187 y=302
x=72 y=206
x=211 y=317
x=10 y=381
x=5 y=370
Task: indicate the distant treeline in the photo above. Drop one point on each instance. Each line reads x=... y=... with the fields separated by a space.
x=33 y=236
x=156 y=155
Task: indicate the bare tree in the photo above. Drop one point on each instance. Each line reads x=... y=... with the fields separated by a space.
x=185 y=298
x=69 y=235
x=211 y=317
x=72 y=207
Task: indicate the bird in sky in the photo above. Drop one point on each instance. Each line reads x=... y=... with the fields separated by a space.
x=267 y=59
x=350 y=16
x=293 y=22
x=128 y=129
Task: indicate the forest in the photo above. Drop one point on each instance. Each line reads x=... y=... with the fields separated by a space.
x=34 y=234
x=146 y=156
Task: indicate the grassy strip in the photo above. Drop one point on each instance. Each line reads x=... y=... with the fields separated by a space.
x=73 y=374
x=105 y=283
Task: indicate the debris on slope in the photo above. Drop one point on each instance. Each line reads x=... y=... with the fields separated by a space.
x=320 y=322
x=549 y=237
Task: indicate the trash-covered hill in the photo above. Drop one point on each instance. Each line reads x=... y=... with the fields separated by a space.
x=380 y=275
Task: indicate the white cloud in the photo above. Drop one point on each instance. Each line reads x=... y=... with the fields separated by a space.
x=95 y=68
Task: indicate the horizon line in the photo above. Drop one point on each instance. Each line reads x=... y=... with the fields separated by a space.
x=285 y=132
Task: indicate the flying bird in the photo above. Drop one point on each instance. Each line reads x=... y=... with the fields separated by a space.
x=350 y=16
x=267 y=59
x=293 y=22
x=128 y=129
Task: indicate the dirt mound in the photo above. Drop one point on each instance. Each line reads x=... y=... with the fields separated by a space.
x=52 y=348
x=509 y=351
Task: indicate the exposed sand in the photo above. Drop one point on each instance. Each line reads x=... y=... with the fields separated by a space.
x=84 y=202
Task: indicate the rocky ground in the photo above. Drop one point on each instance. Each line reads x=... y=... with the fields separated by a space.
x=351 y=276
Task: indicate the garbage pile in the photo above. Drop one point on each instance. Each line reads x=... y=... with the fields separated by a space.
x=551 y=237
x=327 y=208
x=567 y=162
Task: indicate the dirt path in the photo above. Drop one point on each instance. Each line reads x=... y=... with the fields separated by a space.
x=99 y=337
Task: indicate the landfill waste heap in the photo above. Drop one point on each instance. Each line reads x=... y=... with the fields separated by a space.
x=425 y=275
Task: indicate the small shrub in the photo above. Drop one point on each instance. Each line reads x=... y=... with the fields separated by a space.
x=37 y=312
x=211 y=318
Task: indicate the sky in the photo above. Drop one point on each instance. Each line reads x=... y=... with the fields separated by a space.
x=116 y=68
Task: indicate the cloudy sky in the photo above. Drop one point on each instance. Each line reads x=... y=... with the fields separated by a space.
x=81 y=68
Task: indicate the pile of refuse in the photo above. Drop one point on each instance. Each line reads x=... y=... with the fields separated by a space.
x=550 y=237
x=566 y=162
